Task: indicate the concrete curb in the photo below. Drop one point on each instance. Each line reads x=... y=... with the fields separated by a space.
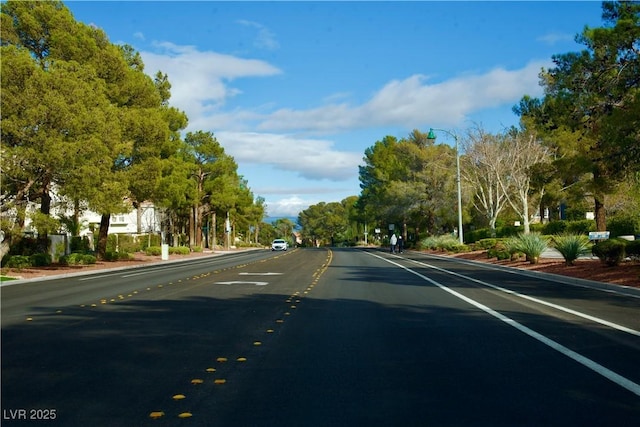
x=115 y=269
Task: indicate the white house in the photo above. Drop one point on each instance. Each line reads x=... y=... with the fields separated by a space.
x=126 y=223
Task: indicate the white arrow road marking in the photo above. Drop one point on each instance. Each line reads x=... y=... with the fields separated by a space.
x=260 y=274
x=238 y=282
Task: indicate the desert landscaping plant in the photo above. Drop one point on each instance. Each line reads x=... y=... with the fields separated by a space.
x=77 y=259
x=500 y=250
x=571 y=246
x=610 y=252
x=532 y=245
x=512 y=246
x=153 y=250
x=446 y=243
x=17 y=262
x=632 y=249
x=179 y=250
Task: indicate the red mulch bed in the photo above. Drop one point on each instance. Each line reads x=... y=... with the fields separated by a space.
x=626 y=274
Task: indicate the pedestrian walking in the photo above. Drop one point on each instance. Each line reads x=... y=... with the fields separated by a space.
x=400 y=244
x=393 y=242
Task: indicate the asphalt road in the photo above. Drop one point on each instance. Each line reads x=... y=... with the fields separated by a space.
x=318 y=337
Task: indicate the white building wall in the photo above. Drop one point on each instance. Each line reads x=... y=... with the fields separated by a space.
x=126 y=223
x=120 y=223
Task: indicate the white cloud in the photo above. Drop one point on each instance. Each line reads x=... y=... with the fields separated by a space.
x=413 y=101
x=201 y=84
x=265 y=39
x=310 y=158
x=290 y=206
x=262 y=190
x=554 y=38
x=200 y=80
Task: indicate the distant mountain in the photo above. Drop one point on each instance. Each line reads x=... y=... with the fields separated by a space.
x=272 y=219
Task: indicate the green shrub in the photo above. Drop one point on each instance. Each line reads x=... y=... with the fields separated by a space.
x=555 y=227
x=179 y=250
x=632 y=249
x=610 y=252
x=499 y=251
x=64 y=259
x=25 y=245
x=123 y=243
x=18 y=262
x=112 y=245
x=428 y=243
x=40 y=260
x=500 y=254
x=124 y=256
x=508 y=231
x=129 y=244
x=511 y=246
x=446 y=242
x=78 y=259
x=199 y=248
x=147 y=240
x=571 y=246
x=537 y=227
x=117 y=256
x=499 y=232
x=532 y=245
x=80 y=244
x=486 y=243
x=583 y=226
x=153 y=250
x=624 y=225
x=476 y=235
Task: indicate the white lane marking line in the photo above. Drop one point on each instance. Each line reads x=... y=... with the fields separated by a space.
x=260 y=274
x=536 y=300
x=99 y=276
x=518 y=272
x=594 y=366
x=154 y=268
x=238 y=282
x=122 y=273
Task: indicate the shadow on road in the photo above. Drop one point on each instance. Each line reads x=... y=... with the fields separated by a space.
x=330 y=362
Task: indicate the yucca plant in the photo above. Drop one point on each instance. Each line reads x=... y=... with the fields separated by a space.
x=512 y=246
x=532 y=245
x=571 y=246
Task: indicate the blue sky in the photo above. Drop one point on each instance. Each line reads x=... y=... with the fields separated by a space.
x=296 y=91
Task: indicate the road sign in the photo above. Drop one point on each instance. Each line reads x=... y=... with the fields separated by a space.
x=599 y=235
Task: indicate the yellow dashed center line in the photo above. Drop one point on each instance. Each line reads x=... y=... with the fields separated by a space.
x=296 y=297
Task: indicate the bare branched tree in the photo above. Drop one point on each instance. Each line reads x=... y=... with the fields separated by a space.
x=523 y=152
x=484 y=163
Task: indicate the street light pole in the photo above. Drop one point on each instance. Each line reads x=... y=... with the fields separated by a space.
x=432 y=136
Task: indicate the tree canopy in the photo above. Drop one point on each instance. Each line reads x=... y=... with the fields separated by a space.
x=590 y=113
x=81 y=120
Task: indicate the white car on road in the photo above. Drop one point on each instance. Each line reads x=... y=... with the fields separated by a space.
x=279 y=245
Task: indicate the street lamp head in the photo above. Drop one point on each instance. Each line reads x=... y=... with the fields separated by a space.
x=431 y=136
